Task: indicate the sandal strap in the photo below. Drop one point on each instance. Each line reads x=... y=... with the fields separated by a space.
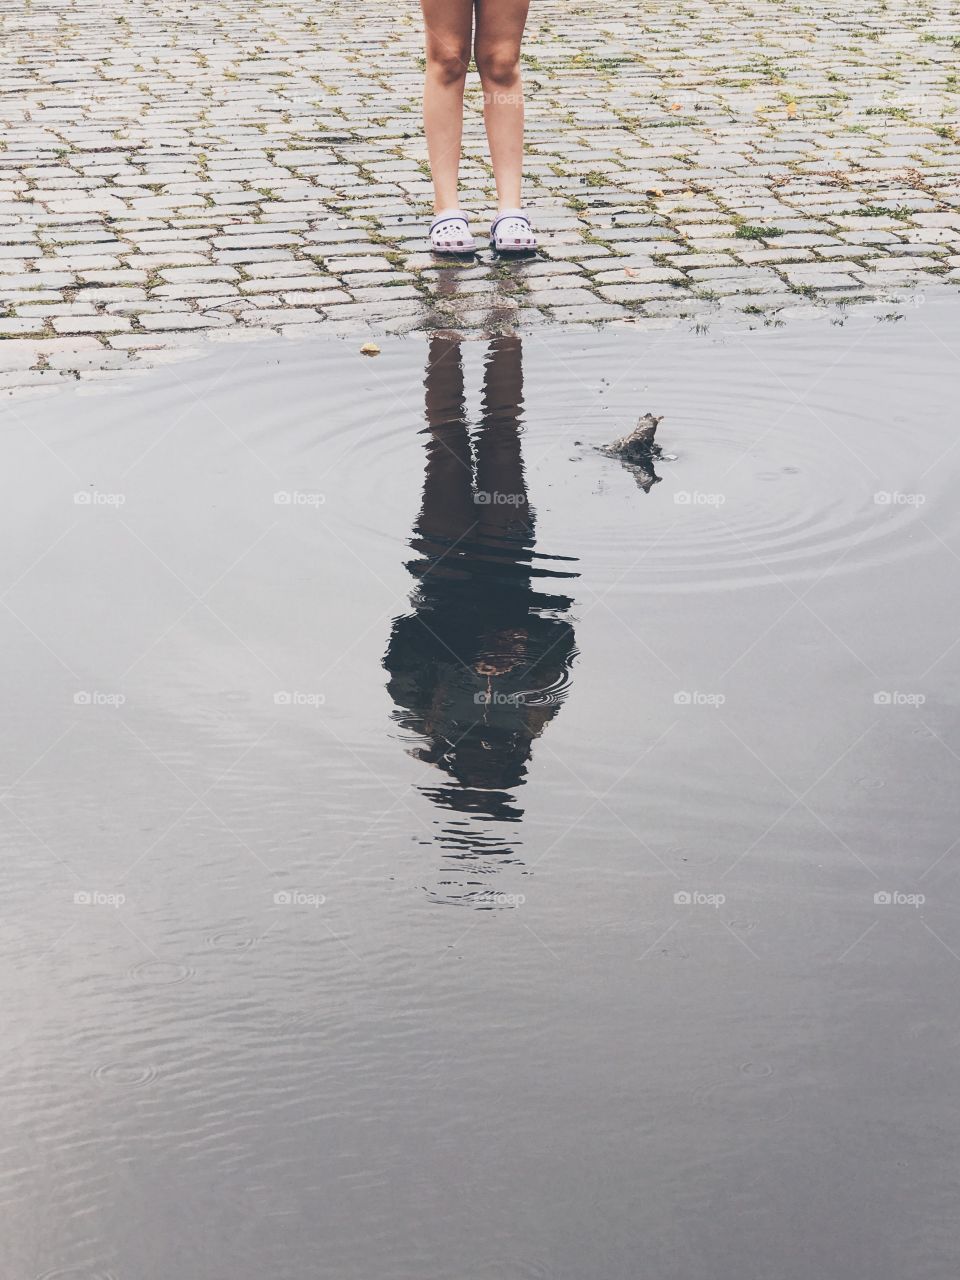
x=517 y=214
x=449 y=215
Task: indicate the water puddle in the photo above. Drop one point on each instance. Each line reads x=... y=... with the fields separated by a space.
x=435 y=848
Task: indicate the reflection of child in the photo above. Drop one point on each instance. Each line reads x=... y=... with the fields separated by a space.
x=479 y=668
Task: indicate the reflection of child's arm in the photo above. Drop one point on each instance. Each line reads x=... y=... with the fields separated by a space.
x=535 y=718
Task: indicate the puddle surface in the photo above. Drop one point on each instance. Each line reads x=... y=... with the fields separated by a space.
x=429 y=854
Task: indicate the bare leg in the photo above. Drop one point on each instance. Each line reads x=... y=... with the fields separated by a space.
x=500 y=26
x=448 y=26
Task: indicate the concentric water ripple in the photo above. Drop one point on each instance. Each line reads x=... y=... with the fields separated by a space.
x=231 y=940
x=161 y=973
x=783 y=473
x=125 y=1075
x=76 y=1273
x=746 y=503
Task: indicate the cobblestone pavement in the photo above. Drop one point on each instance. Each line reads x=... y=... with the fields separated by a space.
x=172 y=171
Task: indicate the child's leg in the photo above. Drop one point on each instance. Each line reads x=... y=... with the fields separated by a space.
x=500 y=26
x=449 y=27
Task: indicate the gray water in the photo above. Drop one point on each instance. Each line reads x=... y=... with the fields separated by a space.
x=404 y=886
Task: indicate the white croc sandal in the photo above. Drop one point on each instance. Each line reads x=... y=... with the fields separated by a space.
x=450 y=233
x=511 y=232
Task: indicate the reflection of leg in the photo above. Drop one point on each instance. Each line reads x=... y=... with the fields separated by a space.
x=499 y=459
x=448 y=507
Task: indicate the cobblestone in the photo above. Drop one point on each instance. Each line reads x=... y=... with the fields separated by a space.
x=172 y=176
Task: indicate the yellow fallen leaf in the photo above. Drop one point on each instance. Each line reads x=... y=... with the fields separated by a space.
x=676 y=107
x=791 y=109
x=654 y=191
x=369 y=349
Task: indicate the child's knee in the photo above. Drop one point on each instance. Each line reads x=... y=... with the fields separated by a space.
x=498 y=66
x=447 y=64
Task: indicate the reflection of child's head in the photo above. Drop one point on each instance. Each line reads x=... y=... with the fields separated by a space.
x=465 y=684
x=502 y=651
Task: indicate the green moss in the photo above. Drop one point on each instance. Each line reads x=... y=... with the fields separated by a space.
x=747 y=232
